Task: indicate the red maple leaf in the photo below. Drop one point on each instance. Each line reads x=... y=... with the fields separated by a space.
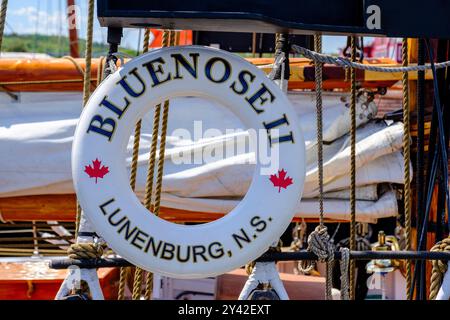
x=280 y=181
x=97 y=171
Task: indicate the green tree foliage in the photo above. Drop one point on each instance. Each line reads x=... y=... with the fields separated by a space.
x=55 y=46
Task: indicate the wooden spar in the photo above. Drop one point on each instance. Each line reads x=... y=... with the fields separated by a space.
x=43 y=75
x=62 y=207
x=73 y=34
x=34 y=75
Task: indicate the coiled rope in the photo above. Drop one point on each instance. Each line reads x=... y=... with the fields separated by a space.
x=346 y=63
x=439 y=268
x=85 y=251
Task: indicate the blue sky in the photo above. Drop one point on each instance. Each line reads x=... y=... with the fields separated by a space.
x=49 y=17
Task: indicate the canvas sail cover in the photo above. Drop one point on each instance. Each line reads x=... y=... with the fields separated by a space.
x=205 y=170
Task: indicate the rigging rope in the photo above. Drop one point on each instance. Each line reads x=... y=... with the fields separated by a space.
x=76 y=65
x=344 y=266
x=320 y=244
x=169 y=39
x=85 y=251
x=420 y=158
x=82 y=72
x=318 y=68
x=343 y=62
x=138 y=274
x=346 y=63
x=133 y=174
x=88 y=55
x=86 y=82
x=173 y=40
x=280 y=74
x=2 y=20
x=319 y=240
x=352 y=244
x=406 y=161
x=100 y=69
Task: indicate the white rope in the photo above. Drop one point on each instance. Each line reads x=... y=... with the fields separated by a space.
x=276 y=64
x=111 y=67
x=278 y=61
x=122 y=56
x=344 y=266
x=346 y=63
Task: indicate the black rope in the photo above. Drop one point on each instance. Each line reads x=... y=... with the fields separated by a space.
x=439 y=158
x=442 y=144
x=443 y=193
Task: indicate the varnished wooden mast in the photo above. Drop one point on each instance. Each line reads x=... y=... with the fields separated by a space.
x=73 y=34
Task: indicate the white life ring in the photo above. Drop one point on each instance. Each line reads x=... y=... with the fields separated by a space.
x=101 y=177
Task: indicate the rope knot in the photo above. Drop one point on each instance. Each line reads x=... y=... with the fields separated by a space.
x=87 y=250
x=320 y=244
x=439 y=267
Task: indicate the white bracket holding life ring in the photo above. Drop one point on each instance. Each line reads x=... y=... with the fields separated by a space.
x=76 y=275
x=264 y=273
x=102 y=182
